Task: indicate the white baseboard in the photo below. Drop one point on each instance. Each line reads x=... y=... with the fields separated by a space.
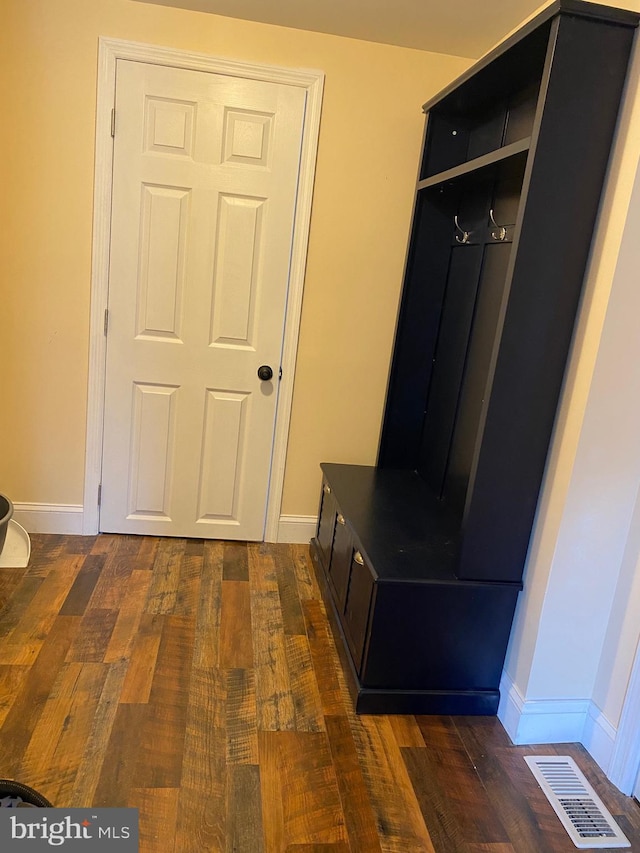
x=599 y=737
x=510 y=706
x=541 y=720
x=49 y=518
x=624 y=767
x=297 y=529
x=68 y=518
x=557 y=721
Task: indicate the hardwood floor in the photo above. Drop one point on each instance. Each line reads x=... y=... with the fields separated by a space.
x=200 y=683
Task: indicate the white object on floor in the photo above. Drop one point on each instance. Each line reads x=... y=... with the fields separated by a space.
x=17 y=547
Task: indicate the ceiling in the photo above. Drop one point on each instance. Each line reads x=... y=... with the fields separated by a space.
x=458 y=27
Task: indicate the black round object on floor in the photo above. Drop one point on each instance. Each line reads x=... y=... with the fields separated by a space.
x=18 y=795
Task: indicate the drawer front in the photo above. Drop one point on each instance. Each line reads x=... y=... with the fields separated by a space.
x=340 y=561
x=326 y=524
x=357 y=607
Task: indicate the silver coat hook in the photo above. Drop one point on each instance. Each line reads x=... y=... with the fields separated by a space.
x=500 y=232
x=463 y=236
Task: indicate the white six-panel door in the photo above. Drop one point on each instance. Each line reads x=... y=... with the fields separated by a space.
x=204 y=191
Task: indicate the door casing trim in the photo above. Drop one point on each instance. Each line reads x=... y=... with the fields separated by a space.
x=312 y=81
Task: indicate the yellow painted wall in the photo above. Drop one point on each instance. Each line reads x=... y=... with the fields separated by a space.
x=370 y=138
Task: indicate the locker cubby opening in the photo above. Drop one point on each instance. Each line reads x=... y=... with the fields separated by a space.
x=453 y=297
x=491 y=110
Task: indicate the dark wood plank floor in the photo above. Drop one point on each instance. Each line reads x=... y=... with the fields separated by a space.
x=199 y=682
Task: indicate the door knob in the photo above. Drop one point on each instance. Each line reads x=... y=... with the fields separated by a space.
x=265 y=372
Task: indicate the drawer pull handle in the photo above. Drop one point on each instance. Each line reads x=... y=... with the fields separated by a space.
x=326 y=490
x=358 y=558
x=341 y=519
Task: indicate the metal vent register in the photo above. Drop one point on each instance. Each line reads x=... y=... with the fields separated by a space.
x=582 y=812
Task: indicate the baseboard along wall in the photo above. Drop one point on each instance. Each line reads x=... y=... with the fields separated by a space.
x=49 y=518
x=535 y=721
x=297 y=529
x=68 y=519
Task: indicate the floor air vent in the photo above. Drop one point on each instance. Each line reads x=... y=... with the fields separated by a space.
x=582 y=812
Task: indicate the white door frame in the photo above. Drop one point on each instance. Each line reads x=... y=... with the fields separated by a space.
x=110 y=50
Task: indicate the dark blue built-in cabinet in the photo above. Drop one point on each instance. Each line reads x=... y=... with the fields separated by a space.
x=421 y=557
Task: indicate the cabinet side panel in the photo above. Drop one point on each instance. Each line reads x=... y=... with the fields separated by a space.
x=562 y=196
x=451 y=351
x=418 y=321
x=474 y=386
x=438 y=636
